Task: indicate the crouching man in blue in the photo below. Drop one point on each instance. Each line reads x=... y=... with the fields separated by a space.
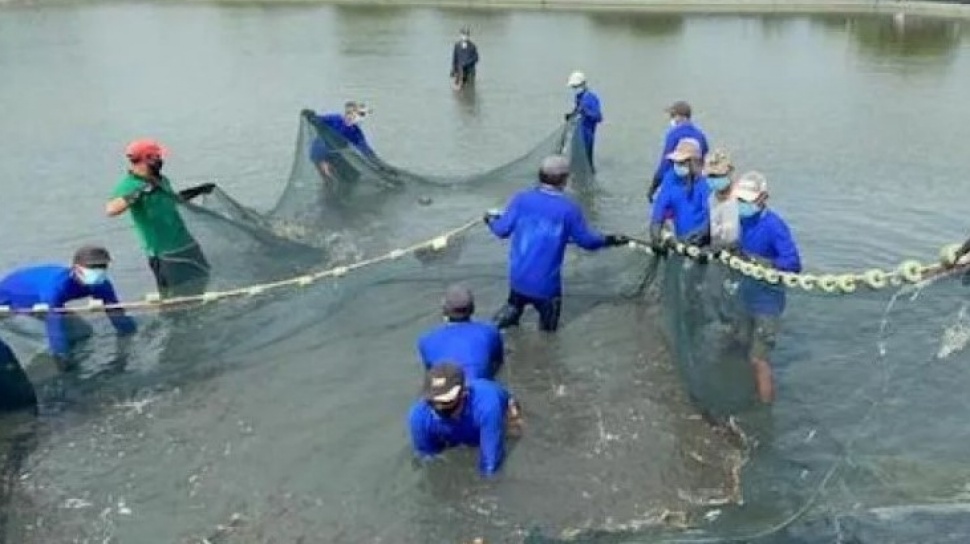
x=766 y=240
x=347 y=126
x=56 y=285
x=475 y=346
x=455 y=412
x=541 y=222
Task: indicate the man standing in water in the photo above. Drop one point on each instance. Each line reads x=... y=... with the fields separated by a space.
x=722 y=206
x=459 y=412
x=475 y=346
x=464 y=58
x=681 y=127
x=766 y=240
x=683 y=198
x=541 y=222
x=587 y=107
x=175 y=258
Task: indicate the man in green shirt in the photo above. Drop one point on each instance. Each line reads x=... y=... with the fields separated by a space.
x=174 y=256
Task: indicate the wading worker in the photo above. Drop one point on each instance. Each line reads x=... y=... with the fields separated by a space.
x=464 y=58
x=766 y=240
x=587 y=107
x=347 y=126
x=681 y=127
x=459 y=412
x=175 y=258
x=55 y=285
x=475 y=346
x=541 y=222
x=683 y=198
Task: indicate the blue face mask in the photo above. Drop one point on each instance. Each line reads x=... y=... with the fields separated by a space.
x=93 y=276
x=719 y=184
x=747 y=209
x=681 y=170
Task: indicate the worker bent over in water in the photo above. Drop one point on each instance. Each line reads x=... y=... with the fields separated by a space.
x=475 y=346
x=541 y=222
x=56 y=285
x=455 y=412
x=766 y=240
x=175 y=258
x=325 y=155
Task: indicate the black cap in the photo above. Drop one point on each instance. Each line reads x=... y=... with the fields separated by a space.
x=444 y=383
x=679 y=107
x=459 y=301
x=92 y=256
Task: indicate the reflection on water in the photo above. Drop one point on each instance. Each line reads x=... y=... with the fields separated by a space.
x=640 y=24
x=930 y=41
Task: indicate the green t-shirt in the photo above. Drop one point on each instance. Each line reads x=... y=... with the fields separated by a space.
x=156 y=217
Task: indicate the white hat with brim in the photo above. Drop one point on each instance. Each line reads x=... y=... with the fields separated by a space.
x=751 y=186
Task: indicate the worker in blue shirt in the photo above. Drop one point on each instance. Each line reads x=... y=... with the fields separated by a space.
x=459 y=412
x=56 y=285
x=587 y=108
x=474 y=345
x=541 y=222
x=681 y=127
x=347 y=126
x=16 y=391
x=766 y=240
x=684 y=198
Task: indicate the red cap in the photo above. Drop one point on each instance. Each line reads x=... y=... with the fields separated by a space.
x=140 y=149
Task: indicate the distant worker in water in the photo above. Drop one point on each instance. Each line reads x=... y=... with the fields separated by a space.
x=681 y=127
x=766 y=240
x=587 y=108
x=16 y=391
x=459 y=412
x=541 y=222
x=55 y=285
x=326 y=155
x=174 y=256
x=464 y=58
x=474 y=345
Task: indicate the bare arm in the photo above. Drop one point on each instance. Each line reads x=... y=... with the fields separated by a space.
x=116 y=206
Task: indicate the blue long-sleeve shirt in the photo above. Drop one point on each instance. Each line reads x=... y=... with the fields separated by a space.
x=319 y=150
x=688 y=204
x=674 y=135
x=591 y=114
x=542 y=221
x=766 y=235
x=475 y=346
x=481 y=423
x=55 y=286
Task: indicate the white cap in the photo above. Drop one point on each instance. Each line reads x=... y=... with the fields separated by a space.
x=750 y=186
x=576 y=79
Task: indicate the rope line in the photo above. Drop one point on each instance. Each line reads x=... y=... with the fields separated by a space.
x=908 y=271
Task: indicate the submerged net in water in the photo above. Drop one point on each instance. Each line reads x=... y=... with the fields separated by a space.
x=278 y=415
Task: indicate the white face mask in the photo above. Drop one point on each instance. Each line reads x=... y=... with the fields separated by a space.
x=673 y=122
x=93 y=276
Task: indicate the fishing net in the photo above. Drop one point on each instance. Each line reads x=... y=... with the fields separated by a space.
x=272 y=408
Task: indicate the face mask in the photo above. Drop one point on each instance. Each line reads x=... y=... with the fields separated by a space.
x=578 y=90
x=673 y=122
x=93 y=276
x=681 y=170
x=719 y=184
x=747 y=209
x=155 y=167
